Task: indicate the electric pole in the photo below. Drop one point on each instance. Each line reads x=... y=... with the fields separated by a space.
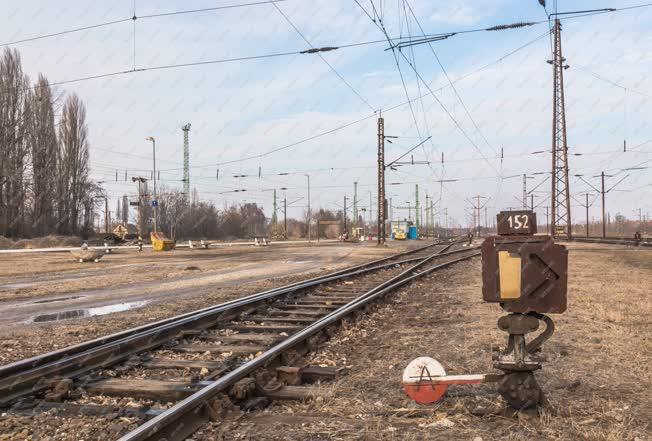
x=381 y=181
x=355 y=207
x=274 y=218
x=141 y=201
x=427 y=220
x=155 y=200
x=604 y=227
x=432 y=217
x=285 y=217
x=416 y=207
x=186 y=161
x=547 y=221
x=560 y=194
x=587 y=214
x=107 y=215
x=344 y=214
x=476 y=212
x=309 y=214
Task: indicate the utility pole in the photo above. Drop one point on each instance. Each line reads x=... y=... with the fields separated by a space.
x=427 y=220
x=524 y=191
x=446 y=220
x=344 y=214
x=416 y=207
x=107 y=215
x=476 y=212
x=381 y=181
x=274 y=218
x=186 y=161
x=604 y=227
x=309 y=214
x=355 y=206
x=141 y=200
x=370 y=212
x=587 y=214
x=560 y=194
x=285 y=217
x=432 y=217
x=547 y=221
x=155 y=201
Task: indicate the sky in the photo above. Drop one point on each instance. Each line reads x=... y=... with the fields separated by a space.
x=316 y=114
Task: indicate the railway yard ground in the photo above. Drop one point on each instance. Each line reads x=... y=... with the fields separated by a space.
x=150 y=285
x=596 y=379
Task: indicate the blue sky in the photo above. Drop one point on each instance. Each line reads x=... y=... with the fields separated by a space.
x=245 y=108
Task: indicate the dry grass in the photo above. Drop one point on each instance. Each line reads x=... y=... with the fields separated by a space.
x=596 y=380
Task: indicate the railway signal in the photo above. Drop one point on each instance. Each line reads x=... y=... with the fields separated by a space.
x=527 y=275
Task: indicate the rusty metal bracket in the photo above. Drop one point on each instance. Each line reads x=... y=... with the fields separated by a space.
x=535 y=344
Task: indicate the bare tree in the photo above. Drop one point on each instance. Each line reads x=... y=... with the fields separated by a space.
x=13 y=151
x=73 y=183
x=41 y=139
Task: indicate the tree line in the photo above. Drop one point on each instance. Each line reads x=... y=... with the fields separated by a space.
x=45 y=186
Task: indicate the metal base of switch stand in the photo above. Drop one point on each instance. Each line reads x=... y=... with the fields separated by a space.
x=519 y=387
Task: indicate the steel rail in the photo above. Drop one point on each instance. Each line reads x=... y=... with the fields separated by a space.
x=613 y=240
x=33 y=362
x=168 y=424
x=21 y=383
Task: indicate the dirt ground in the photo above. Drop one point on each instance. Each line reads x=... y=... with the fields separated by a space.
x=163 y=284
x=596 y=379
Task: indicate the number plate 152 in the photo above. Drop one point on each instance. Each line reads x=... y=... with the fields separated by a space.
x=517 y=222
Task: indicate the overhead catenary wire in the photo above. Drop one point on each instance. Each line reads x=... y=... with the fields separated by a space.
x=296 y=29
x=419 y=77
x=365 y=118
x=134 y=18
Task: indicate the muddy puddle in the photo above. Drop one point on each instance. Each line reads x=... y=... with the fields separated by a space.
x=87 y=312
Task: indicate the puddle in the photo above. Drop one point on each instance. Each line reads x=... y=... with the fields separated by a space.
x=58 y=299
x=88 y=312
x=299 y=261
x=16 y=286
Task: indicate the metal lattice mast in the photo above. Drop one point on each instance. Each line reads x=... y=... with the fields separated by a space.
x=560 y=195
x=186 y=161
x=274 y=218
x=381 y=183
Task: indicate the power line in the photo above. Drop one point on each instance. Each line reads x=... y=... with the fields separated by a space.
x=134 y=18
x=322 y=57
x=389 y=109
x=466 y=110
x=459 y=127
x=613 y=83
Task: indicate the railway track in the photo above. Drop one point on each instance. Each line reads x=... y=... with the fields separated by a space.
x=614 y=241
x=191 y=359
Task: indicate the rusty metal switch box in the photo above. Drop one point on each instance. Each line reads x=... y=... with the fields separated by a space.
x=524 y=272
